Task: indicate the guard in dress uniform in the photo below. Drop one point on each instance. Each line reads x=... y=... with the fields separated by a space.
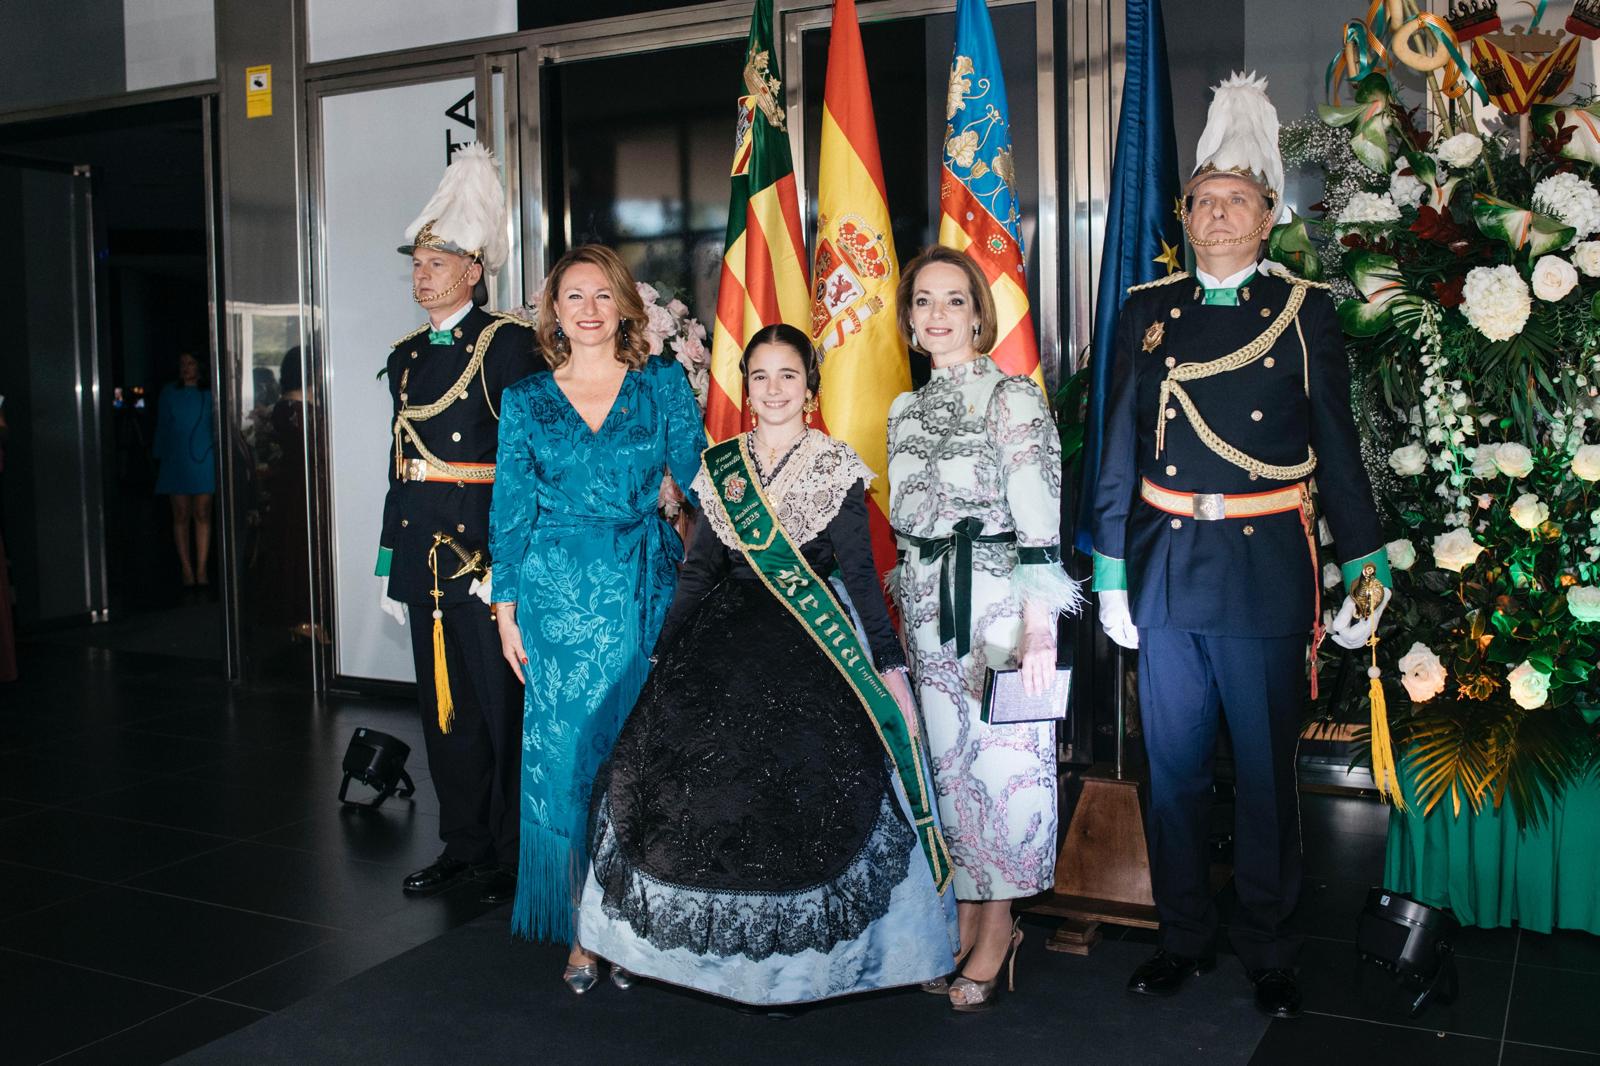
x=445 y=378
x=1228 y=422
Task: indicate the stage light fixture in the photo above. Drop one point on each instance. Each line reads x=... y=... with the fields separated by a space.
x=1412 y=941
x=378 y=761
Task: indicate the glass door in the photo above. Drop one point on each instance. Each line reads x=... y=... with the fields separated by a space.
x=379 y=147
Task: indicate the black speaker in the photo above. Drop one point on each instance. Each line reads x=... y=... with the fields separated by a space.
x=378 y=761
x=1412 y=941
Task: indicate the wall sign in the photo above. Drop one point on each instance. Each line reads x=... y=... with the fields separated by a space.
x=258 y=91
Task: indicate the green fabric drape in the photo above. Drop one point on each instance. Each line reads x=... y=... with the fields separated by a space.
x=1490 y=873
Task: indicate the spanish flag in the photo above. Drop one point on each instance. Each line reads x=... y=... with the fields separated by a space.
x=763 y=260
x=978 y=186
x=855 y=272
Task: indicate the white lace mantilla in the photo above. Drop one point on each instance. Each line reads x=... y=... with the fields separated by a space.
x=807 y=492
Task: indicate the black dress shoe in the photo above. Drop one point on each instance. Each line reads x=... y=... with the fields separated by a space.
x=1163 y=973
x=443 y=871
x=499 y=884
x=1277 y=992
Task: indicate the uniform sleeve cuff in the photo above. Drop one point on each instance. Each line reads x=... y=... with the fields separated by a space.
x=1380 y=562
x=1109 y=574
x=384 y=556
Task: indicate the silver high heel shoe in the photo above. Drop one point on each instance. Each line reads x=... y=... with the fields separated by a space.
x=940 y=986
x=622 y=978
x=969 y=996
x=581 y=978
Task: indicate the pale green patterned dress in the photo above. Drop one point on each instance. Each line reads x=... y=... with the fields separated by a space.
x=975 y=444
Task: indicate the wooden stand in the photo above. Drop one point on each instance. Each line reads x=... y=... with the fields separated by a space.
x=1103 y=872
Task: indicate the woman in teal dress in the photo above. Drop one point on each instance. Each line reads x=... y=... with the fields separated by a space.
x=584 y=567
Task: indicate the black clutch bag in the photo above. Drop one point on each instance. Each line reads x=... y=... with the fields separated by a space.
x=1005 y=703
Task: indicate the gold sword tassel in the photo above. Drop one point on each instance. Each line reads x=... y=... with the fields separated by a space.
x=471 y=563
x=1368 y=596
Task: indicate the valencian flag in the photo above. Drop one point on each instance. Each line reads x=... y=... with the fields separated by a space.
x=1144 y=239
x=855 y=272
x=978 y=186
x=763 y=260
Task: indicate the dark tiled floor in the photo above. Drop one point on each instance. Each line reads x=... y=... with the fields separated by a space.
x=174 y=865
x=174 y=862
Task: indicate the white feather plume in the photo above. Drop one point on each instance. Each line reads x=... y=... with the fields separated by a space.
x=1242 y=131
x=468 y=209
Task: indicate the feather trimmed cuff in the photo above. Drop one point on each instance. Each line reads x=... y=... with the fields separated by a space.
x=1048 y=586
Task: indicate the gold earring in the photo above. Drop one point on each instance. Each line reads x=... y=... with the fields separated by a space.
x=810 y=409
x=755 y=420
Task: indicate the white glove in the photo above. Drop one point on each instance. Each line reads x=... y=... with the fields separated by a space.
x=1348 y=631
x=1116 y=619
x=393 y=608
x=480 y=586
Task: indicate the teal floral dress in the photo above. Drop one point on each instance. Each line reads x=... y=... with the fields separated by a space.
x=579 y=547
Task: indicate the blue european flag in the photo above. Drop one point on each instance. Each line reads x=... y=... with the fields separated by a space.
x=1144 y=240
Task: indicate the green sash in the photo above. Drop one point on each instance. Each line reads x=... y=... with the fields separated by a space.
x=808 y=597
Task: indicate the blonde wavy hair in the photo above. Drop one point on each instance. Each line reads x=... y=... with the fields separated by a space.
x=633 y=350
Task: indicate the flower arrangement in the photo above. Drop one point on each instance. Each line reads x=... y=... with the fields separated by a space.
x=1470 y=298
x=669 y=327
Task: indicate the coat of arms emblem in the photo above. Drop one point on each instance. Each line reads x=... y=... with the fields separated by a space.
x=1153 y=336
x=734 y=488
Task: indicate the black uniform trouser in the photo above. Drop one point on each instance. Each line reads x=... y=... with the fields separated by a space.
x=476 y=767
x=1259 y=683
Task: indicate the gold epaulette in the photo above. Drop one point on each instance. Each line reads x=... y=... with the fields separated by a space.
x=1295 y=279
x=515 y=320
x=1168 y=280
x=420 y=329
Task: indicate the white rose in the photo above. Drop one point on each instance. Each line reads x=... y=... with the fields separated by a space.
x=1496 y=301
x=1421 y=673
x=1460 y=151
x=1412 y=459
x=1529 y=511
x=1529 y=687
x=1455 y=550
x=1483 y=463
x=1405 y=190
x=1513 y=460
x=1402 y=553
x=1553 y=278
x=1586 y=462
x=1586 y=257
x=1583 y=603
x=1331 y=575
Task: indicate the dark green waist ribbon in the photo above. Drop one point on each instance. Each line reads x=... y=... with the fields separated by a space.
x=790 y=579
x=955 y=588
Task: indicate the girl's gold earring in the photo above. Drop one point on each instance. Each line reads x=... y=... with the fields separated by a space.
x=810 y=409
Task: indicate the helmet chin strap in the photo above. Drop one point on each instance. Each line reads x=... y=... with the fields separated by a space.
x=417 y=296
x=1221 y=242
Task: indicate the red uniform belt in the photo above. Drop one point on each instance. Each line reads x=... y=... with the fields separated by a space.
x=422 y=470
x=1213 y=506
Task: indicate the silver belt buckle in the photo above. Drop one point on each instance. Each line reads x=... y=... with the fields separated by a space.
x=416 y=470
x=1210 y=506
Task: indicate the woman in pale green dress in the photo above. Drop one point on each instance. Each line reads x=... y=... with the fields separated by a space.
x=975 y=473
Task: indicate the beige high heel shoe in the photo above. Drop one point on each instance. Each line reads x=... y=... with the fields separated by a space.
x=969 y=996
x=940 y=986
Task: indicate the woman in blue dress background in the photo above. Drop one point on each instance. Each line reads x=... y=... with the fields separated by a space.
x=186 y=447
x=584 y=566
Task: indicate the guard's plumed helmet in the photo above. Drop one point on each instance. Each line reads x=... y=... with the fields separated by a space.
x=467 y=215
x=1241 y=137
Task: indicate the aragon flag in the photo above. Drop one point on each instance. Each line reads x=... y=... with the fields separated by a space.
x=978 y=186
x=855 y=272
x=763 y=260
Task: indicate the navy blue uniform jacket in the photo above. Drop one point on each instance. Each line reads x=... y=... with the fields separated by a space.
x=1233 y=577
